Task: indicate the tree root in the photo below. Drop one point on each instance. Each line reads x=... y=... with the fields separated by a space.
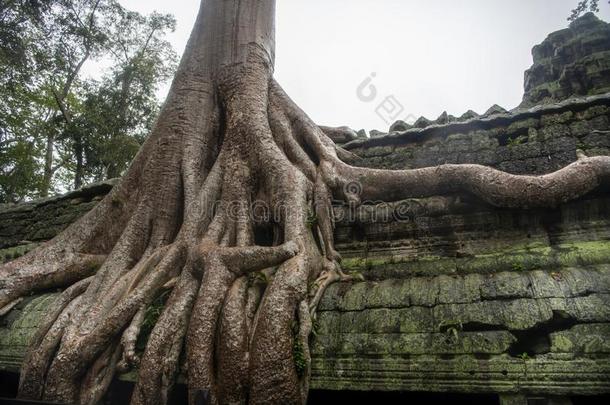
x=9 y=307
x=99 y=376
x=492 y=186
x=339 y=134
x=222 y=267
x=44 y=343
x=232 y=349
x=302 y=342
x=25 y=275
x=159 y=363
x=129 y=339
x=331 y=274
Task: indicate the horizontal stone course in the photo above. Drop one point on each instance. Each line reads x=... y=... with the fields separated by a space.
x=585 y=339
x=399 y=344
x=464 y=289
x=530 y=141
x=41 y=220
x=519 y=314
x=465 y=373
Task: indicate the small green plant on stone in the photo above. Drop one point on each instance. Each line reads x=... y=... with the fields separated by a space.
x=153 y=312
x=517 y=266
x=299 y=358
x=312 y=219
x=524 y=357
x=315 y=327
x=298 y=352
x=451 y=328
x=265 y=278
x=516 y=141
x=258 y=277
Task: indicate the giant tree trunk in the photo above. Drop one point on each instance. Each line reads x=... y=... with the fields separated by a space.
x=227 y=142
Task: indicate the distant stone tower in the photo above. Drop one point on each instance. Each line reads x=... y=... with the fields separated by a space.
x=571 y=62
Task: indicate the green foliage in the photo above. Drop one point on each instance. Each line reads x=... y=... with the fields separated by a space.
x=119 y=110
x=258 y=277
x=315 y=327
x=583 y=7
x=19 y=169
x=516 y=266
x=153 y=312
x=19 y=58
x=300 y=364
x=58 y=129
x=298 y=351
x=516 y=141
x=450 y=326
x=312 y=219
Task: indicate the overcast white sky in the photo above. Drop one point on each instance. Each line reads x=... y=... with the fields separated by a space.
x=431 y=55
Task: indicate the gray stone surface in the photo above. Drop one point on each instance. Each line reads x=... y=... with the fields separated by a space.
x=570 y=62
x=537 y=140
x=23 y=225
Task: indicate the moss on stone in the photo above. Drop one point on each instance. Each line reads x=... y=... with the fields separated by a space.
x=6 y=255
x=536 y=256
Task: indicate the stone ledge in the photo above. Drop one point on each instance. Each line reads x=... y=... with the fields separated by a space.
x=464 y=374
x=467 y=289
x=486 y=122
x=86 y=192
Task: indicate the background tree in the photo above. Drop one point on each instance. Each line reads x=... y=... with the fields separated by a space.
x=584 y=6
x=57 y=124
x=21 y=55
x=117 y=112
x=242 y=289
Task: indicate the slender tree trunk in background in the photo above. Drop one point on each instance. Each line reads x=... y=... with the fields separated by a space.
x=111 y=172
x=79 y=171
x=64 y=108
x=112 y=169
x=48 y=165
x=181 y=221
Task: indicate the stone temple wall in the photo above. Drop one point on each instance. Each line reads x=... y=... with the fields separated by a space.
x=463 y=297
x=23 y=226
x=538 y=140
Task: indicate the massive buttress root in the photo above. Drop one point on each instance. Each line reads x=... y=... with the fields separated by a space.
x=226 y=212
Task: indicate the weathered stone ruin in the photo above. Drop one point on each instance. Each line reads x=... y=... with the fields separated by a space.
x=570 y=62
x=458 y=297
